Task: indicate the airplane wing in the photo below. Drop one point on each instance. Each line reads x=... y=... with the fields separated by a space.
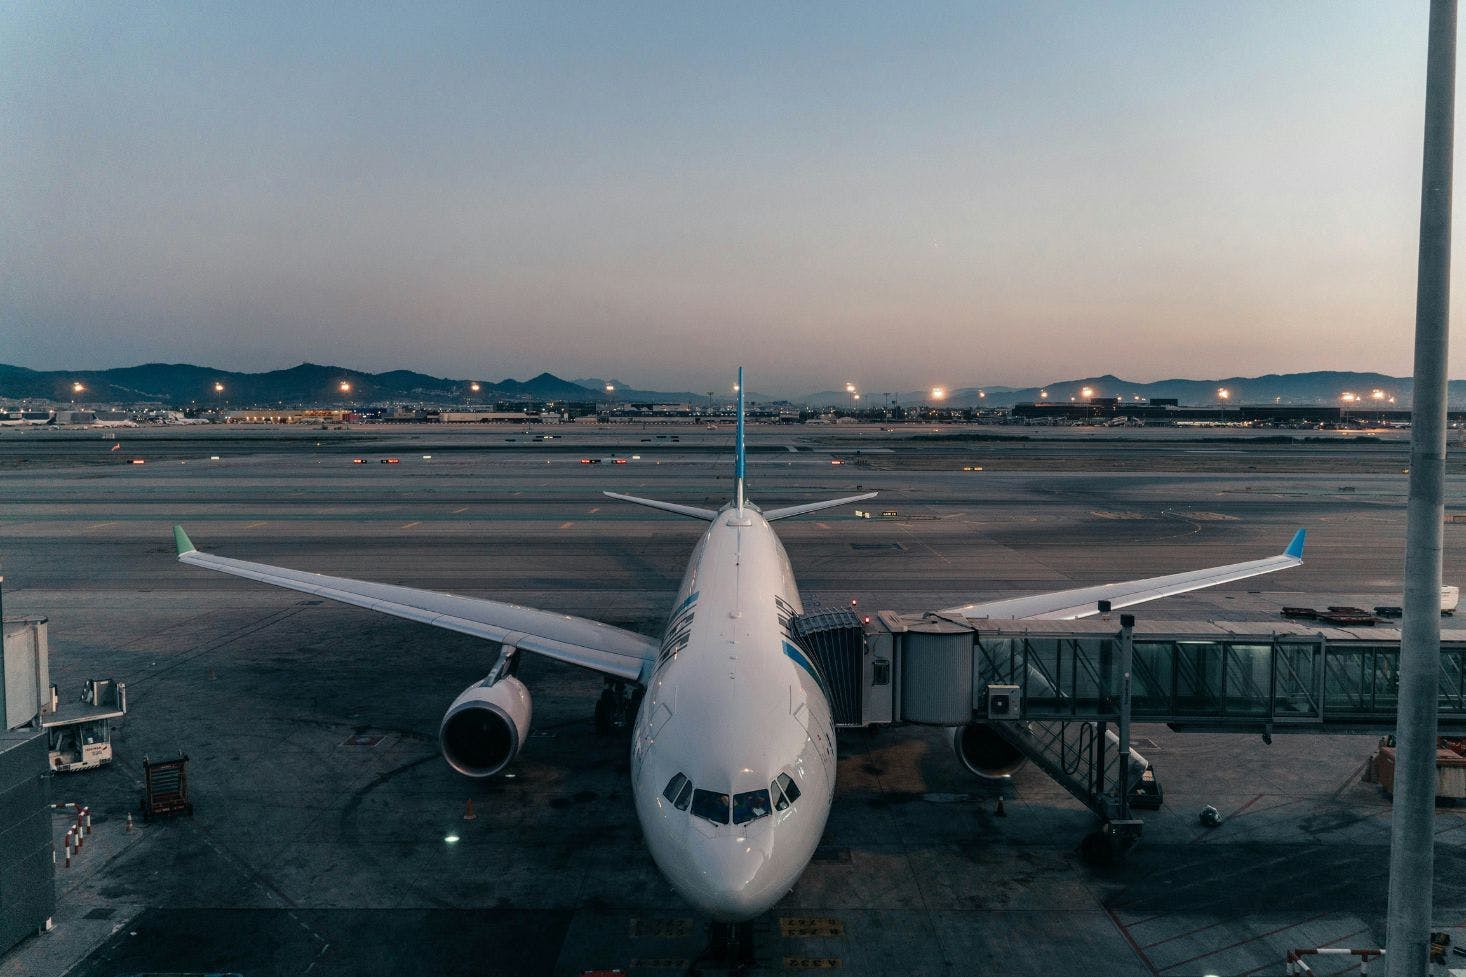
x=1066 y=605
x=599 y=647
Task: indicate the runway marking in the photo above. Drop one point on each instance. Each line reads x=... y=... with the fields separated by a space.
x=1337 y=939
x=256 y=525
x=1252 y=939
x=411 y=524
x=101 y=525
x=823 y=525
x=594 y=509
x=1125 y=933
x=566 y=525
x=460 y=509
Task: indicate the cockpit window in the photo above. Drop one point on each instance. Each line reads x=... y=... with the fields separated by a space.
x=679 y=791
x=785 y=791
x=711 y=805
x=750 y=806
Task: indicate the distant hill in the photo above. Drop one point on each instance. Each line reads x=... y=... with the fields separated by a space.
x=309 y=383
x=1318 y=387
x=183 y=384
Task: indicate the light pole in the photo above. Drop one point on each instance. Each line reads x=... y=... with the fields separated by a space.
x=1412 y=822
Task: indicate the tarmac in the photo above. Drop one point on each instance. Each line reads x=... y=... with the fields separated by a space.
x=320 y=842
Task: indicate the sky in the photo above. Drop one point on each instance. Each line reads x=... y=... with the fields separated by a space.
x=900 y=195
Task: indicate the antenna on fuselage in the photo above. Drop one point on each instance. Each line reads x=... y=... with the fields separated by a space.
x=738 y=449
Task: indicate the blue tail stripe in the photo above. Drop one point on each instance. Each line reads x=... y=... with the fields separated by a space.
x=738 y=461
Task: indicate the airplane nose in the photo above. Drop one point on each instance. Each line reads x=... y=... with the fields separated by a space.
x=736 y=879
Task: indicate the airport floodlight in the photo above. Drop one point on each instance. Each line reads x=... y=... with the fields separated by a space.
x=1224 y=394
x=735 y=388
x=345 y=387
x=982 y=395
x=1377 y=394
x=1043 y=395
x=1087 y=392
x=218 y=387
x=610 y=388
x=77 y=387
x=855 y=396
x=849 y=387
x=1348 y=397
x=938 y=393
x=474 y=386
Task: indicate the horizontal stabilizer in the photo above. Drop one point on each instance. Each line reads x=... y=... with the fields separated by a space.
x=799 y=510
x=707 y=515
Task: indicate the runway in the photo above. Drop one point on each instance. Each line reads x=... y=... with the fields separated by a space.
x=322 y=806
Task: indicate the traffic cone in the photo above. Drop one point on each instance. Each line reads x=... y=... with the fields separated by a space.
x=1000 y=812
x=468 y=814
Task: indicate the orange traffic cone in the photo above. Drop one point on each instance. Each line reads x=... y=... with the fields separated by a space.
x=468 y=814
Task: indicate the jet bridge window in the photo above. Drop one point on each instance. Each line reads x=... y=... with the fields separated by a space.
x=679 y=792
x=750 y=806
x=785 y=792
x=711 y=805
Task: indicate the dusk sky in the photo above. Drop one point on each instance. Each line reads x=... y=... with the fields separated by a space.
x=902 y=195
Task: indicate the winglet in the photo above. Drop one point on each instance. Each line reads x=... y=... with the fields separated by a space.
x=1295 y=548
x=181 y=540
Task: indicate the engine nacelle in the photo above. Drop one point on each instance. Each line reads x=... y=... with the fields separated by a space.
x=486 y=727
x=984 y=753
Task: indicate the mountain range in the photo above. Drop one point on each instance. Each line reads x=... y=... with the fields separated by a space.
x=182 y=384
x=1318 y=387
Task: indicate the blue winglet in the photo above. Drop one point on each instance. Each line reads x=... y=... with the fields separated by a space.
x=1295 y=548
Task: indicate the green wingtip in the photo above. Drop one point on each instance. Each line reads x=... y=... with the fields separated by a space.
x=181 y=540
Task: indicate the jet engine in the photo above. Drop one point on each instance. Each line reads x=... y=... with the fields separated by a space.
x=486 y=726
x=984 y=753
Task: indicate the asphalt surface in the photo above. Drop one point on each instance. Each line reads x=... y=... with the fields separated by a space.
x=318 y=844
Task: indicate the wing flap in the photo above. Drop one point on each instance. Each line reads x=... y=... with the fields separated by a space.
x=563 y=637
x=1066 y=605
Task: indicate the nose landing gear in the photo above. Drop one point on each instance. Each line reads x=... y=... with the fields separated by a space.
x=729 y=944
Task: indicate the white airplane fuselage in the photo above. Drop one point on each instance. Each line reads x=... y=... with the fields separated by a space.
x=732 y=704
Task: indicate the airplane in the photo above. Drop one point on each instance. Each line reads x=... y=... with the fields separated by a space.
x=732 y=735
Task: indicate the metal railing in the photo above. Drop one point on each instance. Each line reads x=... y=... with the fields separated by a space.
x=1277 y=681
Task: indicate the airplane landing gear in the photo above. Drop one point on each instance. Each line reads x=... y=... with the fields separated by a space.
x=616 y=708
x=729 y=944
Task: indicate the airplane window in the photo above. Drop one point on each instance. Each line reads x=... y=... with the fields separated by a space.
x=674 y=787
x=785 y=791
x=750 y=806
x=711 y=805
x=683 y=797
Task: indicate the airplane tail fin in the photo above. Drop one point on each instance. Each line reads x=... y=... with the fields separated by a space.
x=739 y=449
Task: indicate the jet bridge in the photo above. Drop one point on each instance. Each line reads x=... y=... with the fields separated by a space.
x=1064 y=693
